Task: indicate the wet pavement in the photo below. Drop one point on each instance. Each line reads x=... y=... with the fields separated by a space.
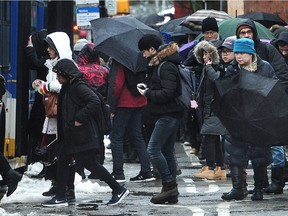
x=197 y=197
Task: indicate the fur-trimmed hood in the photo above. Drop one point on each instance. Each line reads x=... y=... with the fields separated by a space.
x=206 y=46
x=166 y=52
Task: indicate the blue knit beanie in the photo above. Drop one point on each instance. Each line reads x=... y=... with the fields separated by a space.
x=244 y=45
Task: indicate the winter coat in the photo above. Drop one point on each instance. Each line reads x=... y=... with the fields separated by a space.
x=269 y=53
x=118 y=93
x=61 y=43
x=77 y=102
x=96 y=74
x=162 y=93
x=238 y=152
x=211 y=123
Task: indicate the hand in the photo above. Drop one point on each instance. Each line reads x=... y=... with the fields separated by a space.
x=30 y=41
x=77 y=123
x=37 y=83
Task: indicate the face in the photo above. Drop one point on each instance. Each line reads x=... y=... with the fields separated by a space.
x=227 y=55
x=148 y=53
x=52 y=53
x=243 y=59
x=61 y=79
x=206 y=57
x=246 y=33
x=210 y=35
x=284 y=50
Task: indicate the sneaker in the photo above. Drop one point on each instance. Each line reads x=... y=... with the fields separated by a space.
x=118 y=196
x=143 y=177
x=54 y=202
x=119 y=178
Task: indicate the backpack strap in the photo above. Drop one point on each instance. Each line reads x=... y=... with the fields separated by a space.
x=158 y=69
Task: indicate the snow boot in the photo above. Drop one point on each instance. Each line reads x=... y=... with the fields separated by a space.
x=276 y=186
x=259 y=178
x=169 y=194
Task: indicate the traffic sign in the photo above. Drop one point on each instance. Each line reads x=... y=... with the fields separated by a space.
x=85 y=14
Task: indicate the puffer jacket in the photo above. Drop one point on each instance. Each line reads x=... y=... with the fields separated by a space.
x=162 y=93
x=60 y=42
x=211 y=123
x=269 y=53
x=77 y=102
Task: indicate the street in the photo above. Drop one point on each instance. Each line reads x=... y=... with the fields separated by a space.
x=197 y=197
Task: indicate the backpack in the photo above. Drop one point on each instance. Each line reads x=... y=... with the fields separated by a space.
x=187 y=82
x=132 y=79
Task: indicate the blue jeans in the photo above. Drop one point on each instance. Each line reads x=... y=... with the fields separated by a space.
x=278 y=156
x=123 y=117
x=161 y=147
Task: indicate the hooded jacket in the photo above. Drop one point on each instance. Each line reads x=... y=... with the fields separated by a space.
x=210 y=122
x=268 y=53
x=60 y=43
x=162 y=93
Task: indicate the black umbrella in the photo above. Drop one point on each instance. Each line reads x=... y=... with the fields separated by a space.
x=173 y=26
x=151 y=19
x=118 y=38
x=253 y=108
x=266 y=19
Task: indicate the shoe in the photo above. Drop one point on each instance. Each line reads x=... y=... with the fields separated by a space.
x=12 y=178
x=206 y=173
x=220 y=174
x=143 y=177
x=51 y=191
x=118 y=196
x=70 y=195
x=55 y=202
x=119 y=178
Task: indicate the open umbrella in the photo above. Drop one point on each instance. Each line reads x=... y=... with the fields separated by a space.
x=228 y=28
x=266 y=19
x=173 y=26
x=253 y=108
x=151 y=19
x=118 y=38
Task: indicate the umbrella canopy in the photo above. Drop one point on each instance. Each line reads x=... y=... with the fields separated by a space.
x=173 y=26
x=266 y=19
x=118 y=38
x=199 y=15
x=253 y=108
x=228 y=28
x=151 y=19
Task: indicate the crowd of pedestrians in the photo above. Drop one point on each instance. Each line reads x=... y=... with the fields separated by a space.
x=80 y=144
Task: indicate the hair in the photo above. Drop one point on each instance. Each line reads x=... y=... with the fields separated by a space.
x=148 y=41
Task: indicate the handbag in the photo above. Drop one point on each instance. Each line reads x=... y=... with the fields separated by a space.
x=50 y=101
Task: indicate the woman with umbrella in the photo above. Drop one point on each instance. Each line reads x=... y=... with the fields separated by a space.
x=247 y=60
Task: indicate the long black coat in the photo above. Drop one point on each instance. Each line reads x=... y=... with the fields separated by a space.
x=77 y=102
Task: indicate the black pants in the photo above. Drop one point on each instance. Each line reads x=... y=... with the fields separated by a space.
x=213 y=150
x=88 y=160
x=4 y=165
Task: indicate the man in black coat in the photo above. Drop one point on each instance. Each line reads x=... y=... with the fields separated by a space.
x=78 y=135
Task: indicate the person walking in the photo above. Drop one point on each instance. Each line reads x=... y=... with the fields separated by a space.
x=126 y=110
x=246 y=59
x=58 y=47
x=78 y=133
x=163 y=104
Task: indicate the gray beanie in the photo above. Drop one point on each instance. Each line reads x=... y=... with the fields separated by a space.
x=80 y=44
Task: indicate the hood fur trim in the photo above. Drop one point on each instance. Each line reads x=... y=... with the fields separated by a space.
x=168 y=50
x=206 y=46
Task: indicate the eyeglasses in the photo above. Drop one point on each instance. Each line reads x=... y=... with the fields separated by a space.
x=249 y=32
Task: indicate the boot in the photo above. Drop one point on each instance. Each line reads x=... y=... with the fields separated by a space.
x=169 y=193
x=206 y=173
x=259 y=178
x=12 y=178
x=220 y=174
x=276 y=185
x=265 y=182
x=52 y=190
x=237 y=178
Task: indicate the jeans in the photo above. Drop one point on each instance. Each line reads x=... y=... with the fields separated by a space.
x=278 y=156
x=161 y=147
x=123 y=117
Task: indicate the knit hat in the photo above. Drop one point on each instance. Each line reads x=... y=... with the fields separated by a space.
x=228 y=43
x=209 y=24
x=80 y=44
x=67 y=67
x=242 y=27
x=244 y=45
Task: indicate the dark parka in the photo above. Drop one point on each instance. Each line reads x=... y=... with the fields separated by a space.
x=240 y=152
x=269 y=53
x=162 y=92
x=77 y=102
x=211 y=123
